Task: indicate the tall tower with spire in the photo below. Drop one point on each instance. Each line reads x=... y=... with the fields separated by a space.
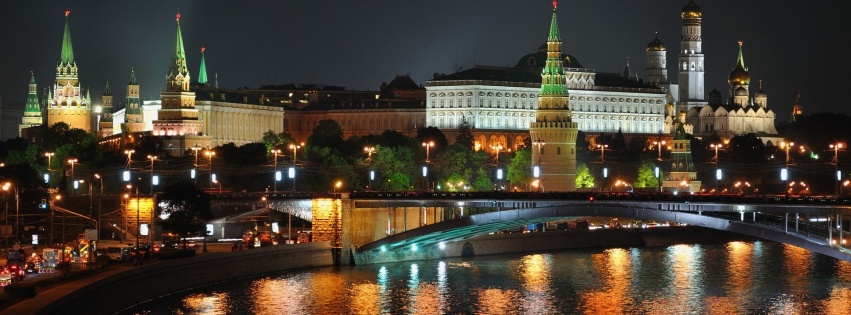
x=105 y=121
x=67 y=104
x=178 y=123
x=32 y=111
x=202 y=72
x=133 y=121
x=691 y=67
x=553 y=133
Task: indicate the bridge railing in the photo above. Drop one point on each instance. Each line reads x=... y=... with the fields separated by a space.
x=631 y=196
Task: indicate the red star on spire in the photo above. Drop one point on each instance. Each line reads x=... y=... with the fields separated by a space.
x=555 y=3
x=740 y=43
x=67 y=13
x=202 y=49
x=178 y=16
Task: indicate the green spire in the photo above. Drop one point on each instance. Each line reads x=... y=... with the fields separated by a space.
x=741 y=61
x=202 y=73
x=106 y=90
x=553 y=82
x=132 y=76
x=178 y=59
x=67 y=56
x=32 y=98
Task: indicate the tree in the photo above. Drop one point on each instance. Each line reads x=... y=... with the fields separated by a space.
x=326 y=134
x=646 y=175
x=432 y=134
x=482 y=181
x=394 y=167
x=271 y=139
x=584 y=179
x=465 y=136
x=185 y=209
x=520 y=168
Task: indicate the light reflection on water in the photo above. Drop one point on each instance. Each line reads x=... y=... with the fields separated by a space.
x=732 y=278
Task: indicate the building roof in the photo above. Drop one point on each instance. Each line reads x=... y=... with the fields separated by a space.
x=403 y=82
x=616 y=80
x=67 y=56
x=488 y=73
x=538 y=60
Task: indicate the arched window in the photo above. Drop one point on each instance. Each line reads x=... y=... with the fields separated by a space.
x=558 y=150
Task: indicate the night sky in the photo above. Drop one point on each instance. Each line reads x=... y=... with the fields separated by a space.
x=360 y=44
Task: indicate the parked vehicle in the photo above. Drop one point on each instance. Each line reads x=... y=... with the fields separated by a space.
x=119 y=253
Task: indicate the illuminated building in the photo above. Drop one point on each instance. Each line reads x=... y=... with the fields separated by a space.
x=67 y=103
x=32 y=111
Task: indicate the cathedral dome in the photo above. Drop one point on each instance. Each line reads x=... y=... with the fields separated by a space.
x=714 y=97
x=740 y=91
x=656 y=45
x=760 y=93
x=691 y=10
x=739 y=76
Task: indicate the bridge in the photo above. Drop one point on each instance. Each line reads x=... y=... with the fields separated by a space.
x=370 y=227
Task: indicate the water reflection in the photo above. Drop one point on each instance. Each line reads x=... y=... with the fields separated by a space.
x=733 y=278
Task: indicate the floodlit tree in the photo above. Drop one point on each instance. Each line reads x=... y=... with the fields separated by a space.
x=646 y=175
x=584 y=179
x=465 y=136
x=520 y=168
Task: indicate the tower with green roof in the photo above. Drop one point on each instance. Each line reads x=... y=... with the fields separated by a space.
x=32 y=111
x=681 y=176
x=133 y=118
x=68 y=104
x=105 y=121
x=178 y=122
x=553 y=133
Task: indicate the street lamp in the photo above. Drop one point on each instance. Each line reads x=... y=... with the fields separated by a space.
x=785 y=175
x=275 y=153
x=428 y=145
x=836 y=148
x=295 y=147
x=6 y=187
x=49 y=155
x=337 y=185
x=716 y=146
x=603 y=148
x=497 y=147
x=152 y=158
x=659 y=144
x=210 y=155
x=72 y=161
x=129 y=157
x=101 y=182
x=536 y=172
x=369 y=151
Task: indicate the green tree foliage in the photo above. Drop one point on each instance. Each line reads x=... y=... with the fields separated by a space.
x=272 y=140
x=747 y=148
x=482 y=181
x=465 y=135
x=520 y=168
x=394 y=167
x=432 y=134
x=584 y=179
x=646 y=177
x=326 y=167
x=185 y=209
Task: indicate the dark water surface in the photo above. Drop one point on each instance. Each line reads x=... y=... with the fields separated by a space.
x=734 y=278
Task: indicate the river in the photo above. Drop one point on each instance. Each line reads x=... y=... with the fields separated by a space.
x=734 y=278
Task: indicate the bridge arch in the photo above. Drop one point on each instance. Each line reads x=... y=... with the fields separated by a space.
x=424 y=242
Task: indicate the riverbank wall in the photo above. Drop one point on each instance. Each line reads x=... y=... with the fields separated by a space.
x=126 y=289
x=508 y=243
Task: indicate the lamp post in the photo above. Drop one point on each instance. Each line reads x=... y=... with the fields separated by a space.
x=6 y=187
x=138 y=221
x=786 y=146
x=101 y=182
x=210 y=154
x=836 y=148
x=659 y=144
x=72 y=161
x=152 y=158
x=428 y=145
x=497 y=147
x=129 y=157
x=275 y=153
x=603 y=148
x=369 y=151
x=337 y=185
x=536 y=170
x=295 y=147
x=49 y=155
x=716 y=146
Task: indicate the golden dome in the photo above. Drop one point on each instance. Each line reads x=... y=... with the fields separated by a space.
x=691 y=11
x=656 y=45
x=739 y=75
